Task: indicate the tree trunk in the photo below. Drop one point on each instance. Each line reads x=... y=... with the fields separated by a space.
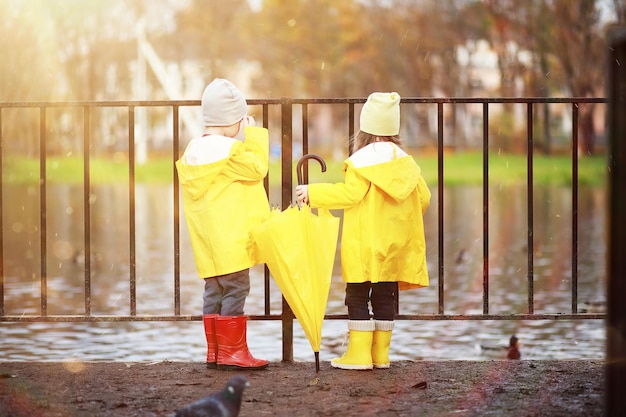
x=586 y=131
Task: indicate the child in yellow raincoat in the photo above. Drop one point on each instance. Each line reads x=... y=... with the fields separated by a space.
x=224 y=198
x=383 y=249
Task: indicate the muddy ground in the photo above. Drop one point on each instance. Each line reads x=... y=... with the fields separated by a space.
x=446 y=388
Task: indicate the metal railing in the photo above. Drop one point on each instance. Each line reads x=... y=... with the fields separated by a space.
x=286 y=106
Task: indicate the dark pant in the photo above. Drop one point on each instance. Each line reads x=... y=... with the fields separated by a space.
x=381 y=296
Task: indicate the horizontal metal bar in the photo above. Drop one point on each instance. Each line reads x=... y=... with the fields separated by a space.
x=115 y=318
x=450 y=100
x=425 y=100
x=546 y=316
x=408 y=317
x=134 y=103
x=519 y=100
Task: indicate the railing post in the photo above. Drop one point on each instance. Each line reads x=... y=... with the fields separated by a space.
x=1 y=223
x=43 y=211
x=131 y=211
x=530 y=208
x=86 y=205
x=350 y=128
x=485 y=208
x=286 y=112
x=616 y=230
x=176 y=202
x=440 y=213
x=575 y=107
x=266 y=184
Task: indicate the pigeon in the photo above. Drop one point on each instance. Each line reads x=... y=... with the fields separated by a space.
x=225 y=403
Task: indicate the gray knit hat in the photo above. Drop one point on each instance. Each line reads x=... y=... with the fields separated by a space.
x=222 y=104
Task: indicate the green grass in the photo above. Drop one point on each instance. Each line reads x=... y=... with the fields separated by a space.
x=70 y=170
x=467 y=169
x=459 y=169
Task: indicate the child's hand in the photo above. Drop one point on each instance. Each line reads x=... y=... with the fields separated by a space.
x=302 y=194
x=248 y=121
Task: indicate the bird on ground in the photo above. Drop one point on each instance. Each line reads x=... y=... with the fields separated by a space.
x=460 y=257
x=598 y=306
x=224 y=403
x=512 y=350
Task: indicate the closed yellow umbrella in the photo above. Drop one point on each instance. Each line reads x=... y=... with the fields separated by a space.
x=299 y=247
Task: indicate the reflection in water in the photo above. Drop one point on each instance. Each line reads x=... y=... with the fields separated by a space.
x=109 y=261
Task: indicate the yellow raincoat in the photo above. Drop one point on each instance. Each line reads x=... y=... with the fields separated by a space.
x=224 y=198
x=384 y=197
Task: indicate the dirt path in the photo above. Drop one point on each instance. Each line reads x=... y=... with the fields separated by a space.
x=452 y=388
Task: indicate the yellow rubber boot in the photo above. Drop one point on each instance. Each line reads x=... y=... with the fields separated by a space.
x=380 y=343
x=359 y=353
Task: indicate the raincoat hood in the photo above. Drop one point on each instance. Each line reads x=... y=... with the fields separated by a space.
x=198 y=178
x=387 y=167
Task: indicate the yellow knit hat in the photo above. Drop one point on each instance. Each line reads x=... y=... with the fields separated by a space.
x=380 y=115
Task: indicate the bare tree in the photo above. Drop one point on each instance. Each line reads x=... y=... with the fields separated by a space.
x=566 y=37
x=28 y=72
x=579 y=50
x=619 y=6
x=212 y=32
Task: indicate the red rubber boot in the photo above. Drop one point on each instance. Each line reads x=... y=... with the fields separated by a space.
x=232 y=349
x=211 y=340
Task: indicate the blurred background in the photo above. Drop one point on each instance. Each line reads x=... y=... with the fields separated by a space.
x=121 y=50
x=82 y=50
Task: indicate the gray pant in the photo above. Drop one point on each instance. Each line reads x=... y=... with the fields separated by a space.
x=226 y=294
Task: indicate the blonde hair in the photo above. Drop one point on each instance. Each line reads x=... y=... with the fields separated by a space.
x=362 y=139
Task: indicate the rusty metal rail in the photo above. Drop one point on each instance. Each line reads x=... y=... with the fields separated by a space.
x=286 y=106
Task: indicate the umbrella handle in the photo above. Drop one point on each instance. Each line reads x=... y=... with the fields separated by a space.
x=299 y=169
